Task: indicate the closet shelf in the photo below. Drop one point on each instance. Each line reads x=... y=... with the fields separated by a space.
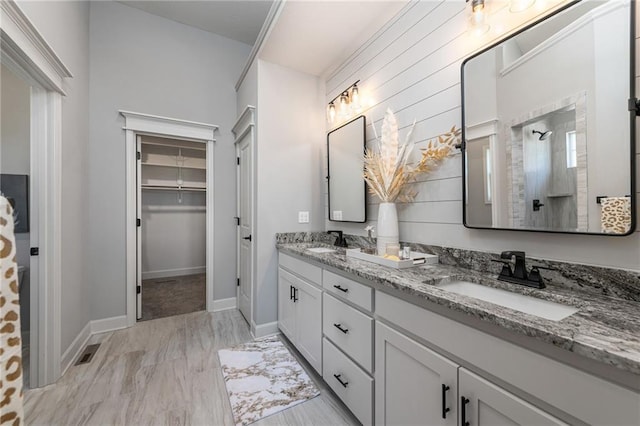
x=173 y=145
x=174 y=166
x=173 y=188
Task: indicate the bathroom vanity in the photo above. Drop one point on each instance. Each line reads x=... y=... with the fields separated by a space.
x=398 y=349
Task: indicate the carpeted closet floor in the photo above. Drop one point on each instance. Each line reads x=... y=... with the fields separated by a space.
x=166 y=297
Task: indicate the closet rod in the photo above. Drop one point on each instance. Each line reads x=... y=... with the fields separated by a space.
x=173 y=188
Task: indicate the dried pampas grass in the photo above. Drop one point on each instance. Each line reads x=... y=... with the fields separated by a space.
x=388 y=171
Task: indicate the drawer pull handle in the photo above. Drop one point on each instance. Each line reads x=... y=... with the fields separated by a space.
x=342 y=289
x=337 y=376
x=339 y=327
x=463 y=411
x=445 y=409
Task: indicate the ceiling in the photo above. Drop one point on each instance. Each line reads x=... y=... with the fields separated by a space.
x=239 y=20
x=314 y=36
x=311 y=36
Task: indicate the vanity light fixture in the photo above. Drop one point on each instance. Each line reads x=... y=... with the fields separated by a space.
x=348 y=99
x=478 y=19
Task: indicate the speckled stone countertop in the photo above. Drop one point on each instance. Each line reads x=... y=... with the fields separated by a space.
x=605 y=328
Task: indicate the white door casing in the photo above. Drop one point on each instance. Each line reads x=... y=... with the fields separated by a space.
x=244 y=131
x=139 y=227
x=152 y=125
x=27 y=53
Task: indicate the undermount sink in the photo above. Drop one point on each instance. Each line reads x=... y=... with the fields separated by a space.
x=529 y=305
x=320 y=250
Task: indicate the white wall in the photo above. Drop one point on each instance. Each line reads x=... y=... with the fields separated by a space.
x=413 y=67
x=289 y=169
x=144 y=63
x=65 y=26
x=173 y=234
x=15 y=156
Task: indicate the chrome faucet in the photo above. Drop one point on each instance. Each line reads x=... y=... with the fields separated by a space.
x=519 y=274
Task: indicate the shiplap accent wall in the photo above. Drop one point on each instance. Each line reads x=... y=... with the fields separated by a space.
x=412 y=65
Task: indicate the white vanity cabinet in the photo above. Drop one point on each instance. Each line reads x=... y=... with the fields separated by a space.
x=393 y=362
x=347 y=346
x=300 y=308
x=414 y=385
x=486 y=404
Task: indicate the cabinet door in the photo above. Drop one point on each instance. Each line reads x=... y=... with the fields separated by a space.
x=491 y=405
x=409 y=382
x=309 y=323
x=286 y=306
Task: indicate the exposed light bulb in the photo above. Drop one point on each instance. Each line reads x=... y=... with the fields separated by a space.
x=331 y=112
x=344 y=103
x=520 y=5
x=477 y=21
x=355 y=98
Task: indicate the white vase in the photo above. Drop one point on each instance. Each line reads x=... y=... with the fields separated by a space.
x=387 y=227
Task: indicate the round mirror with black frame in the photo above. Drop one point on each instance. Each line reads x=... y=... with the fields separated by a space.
x=345 y=165
x=548 y=125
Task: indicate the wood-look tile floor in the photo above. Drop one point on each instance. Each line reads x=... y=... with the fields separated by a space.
x=166 y=297
x=165 y=371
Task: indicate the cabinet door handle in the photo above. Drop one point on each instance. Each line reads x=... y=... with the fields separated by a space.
x=295 y=294
x=342 y=289
x=463 y=411
x=290 y=292
x=339 y=327
x=445 y=409
x=337 y=376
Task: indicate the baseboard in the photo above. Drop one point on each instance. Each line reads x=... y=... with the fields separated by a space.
x=108 y=324
x=167 y=273
x=224 y=304
x=75 y=348
x=263 y=330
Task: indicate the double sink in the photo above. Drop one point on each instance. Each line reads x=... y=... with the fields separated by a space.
x=519 y=302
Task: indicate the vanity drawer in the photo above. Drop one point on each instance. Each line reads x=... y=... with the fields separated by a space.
x=347 y=289
x=306 y=270
x=349 y=329
x=356 y=389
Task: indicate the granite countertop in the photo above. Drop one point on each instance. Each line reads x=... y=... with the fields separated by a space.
x=605 y=329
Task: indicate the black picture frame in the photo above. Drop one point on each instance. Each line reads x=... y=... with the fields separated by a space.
x=16 y=189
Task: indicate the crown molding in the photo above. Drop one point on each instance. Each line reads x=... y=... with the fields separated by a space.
x=23 y=43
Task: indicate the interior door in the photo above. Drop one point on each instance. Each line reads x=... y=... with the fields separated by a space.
x=139 y=228
x=245 y=214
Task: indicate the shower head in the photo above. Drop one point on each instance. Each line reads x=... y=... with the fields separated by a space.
x=543 y=135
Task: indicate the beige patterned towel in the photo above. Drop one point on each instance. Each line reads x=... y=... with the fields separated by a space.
x=616 y=215
x=11 y=410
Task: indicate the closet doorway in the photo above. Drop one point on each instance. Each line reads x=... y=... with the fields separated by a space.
x=172 y=232
x=169 y=211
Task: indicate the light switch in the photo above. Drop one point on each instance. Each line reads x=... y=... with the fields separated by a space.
x=303 y=217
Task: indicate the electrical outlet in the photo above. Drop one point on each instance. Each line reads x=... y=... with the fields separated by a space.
x=303 y=217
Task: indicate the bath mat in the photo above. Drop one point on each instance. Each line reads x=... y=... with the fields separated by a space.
x=263 y=378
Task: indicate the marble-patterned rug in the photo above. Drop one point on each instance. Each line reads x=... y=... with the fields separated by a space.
x=263 y=378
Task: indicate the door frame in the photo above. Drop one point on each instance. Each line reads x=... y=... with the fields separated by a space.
x=27 y=53
x=246 y=125
x=153 y=125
